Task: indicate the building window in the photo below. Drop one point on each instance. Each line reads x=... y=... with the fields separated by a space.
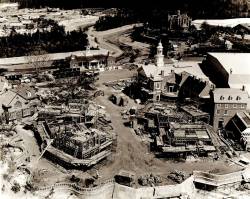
x=230 y=98
x=26 y=112
x=226 y=105
x=28 y=94
x=238 y=98
x=235 y=105
x=242 y=106
x=218 y=112
x=157 y=85
x=221 y=98
x=171 y=89
x=18 y=104
x=225 y=113
x=218 y=105
x=12 y=115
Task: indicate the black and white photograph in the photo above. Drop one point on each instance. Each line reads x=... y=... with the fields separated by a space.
x=124 y=99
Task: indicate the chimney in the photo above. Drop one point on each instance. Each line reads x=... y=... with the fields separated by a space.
x=212 y=87
x=243 y=87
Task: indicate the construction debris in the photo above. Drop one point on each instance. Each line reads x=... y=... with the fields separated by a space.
x=178 y=176
x=149 y=180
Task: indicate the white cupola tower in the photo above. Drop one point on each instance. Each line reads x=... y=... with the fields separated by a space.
x=87 y=52
x=159 y=58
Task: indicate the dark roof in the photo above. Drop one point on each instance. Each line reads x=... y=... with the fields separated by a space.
x=205 y=93
x=184 y=77
x=90 y=58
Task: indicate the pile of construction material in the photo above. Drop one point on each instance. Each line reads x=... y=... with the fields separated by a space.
x=119 y=84
x=178 y=176
x=149 y=180
x=119 y=99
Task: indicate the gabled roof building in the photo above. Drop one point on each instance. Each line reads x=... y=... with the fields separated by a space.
x=161 y=81
x=227 y=102
x=17 y=103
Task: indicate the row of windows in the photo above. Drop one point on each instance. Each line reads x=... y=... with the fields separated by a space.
x=230 y=98
x=219 y=111
x=231 y=105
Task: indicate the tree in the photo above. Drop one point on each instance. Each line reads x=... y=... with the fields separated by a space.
x=39 y=62
x=16 y=187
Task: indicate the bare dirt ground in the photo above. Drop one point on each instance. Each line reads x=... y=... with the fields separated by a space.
x=45 y=171
x=132 y=154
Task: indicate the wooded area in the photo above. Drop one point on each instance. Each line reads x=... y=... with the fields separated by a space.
x=195 y=8
x=54 y=41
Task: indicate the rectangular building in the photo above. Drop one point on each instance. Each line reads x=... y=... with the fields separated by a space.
x=227 y=102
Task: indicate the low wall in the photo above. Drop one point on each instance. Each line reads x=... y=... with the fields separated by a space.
x=218 y=180
x=112 y=190
x=123 y=192
x=103 y=191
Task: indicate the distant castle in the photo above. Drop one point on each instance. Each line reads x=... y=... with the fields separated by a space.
x=179 y=21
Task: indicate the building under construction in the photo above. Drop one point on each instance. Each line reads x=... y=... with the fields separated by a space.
x=73 y=145
x=183 y=139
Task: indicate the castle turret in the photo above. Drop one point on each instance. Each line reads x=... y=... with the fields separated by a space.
x=159 y=58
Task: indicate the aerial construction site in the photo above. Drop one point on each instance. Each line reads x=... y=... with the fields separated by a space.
x=127 y=115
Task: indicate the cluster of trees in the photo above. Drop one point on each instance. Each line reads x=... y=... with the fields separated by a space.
x=153 y=17
x=156 y=18
x=40 y=42
x=210 y=38
x=212 y=9
x=154 y=14
x=109 y=22
x=196 y=8
x=121 y=17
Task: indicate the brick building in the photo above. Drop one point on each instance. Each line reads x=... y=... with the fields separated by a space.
x=228 y=70
x=227 y=102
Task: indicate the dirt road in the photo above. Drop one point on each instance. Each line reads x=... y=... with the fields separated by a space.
x=131 y=153
x=102 y=36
